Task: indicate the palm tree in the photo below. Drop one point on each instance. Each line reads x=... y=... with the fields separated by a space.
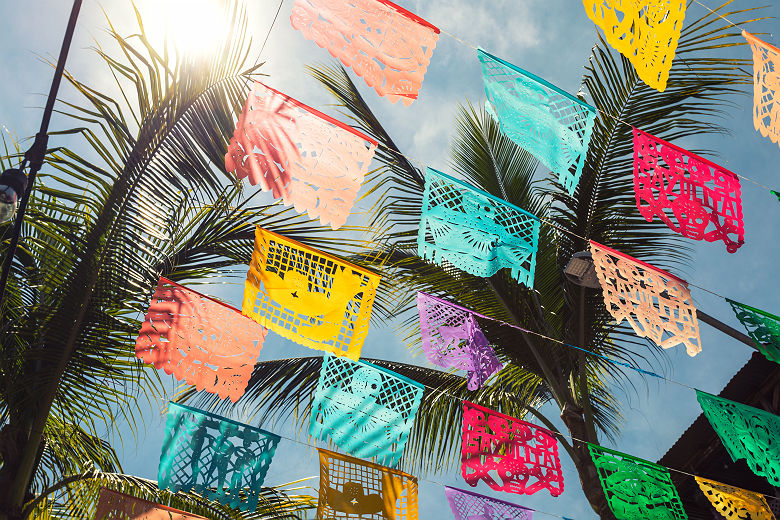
x=139 y=192
x=538 y=371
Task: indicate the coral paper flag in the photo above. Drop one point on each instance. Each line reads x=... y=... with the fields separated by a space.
x=302 y=156
x=766 y=87
x=451 y=338
x=366 y=410
x=386 y=45
x=113 y=505
x=351 y=488
x=199 y=340
x=735 y=503
x=693 y=196
x=215 y=457
x=551 y=124
x=508 y=454
x=762 y=326
x=746 y=433
x=475 y=231
x=308 y=296
x=636 y=488
x=656 y=304
x=644 y=31
x=466 y=505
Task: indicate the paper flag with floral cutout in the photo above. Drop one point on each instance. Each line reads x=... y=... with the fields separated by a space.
x=386 y=45
x=763 y=328
x=366 y=410
x=202 y=341
x=693 y=196
x=766 y=87
x=475 y=231
x=644 y=31
x=451 y=338
x=308 y=296
x=746 y=433
x=301 y=155
x=113 y=505
x=351 y=488
x=217 y=458
x=635 y=488
x=466 y=505
x=551 y=124
x=735 y=503
x=508 y=454
x=656 y=304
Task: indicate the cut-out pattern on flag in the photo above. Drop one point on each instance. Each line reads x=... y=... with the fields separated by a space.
x=215 y=457
x=366 y=410
x=301 y=155
x=113 y=505
x=693 y=196
x=644 y=31
x=746 y=433
x=308 y=296
x=735 y=503
x=452 y=338
x=466 y=505
x=763 y=328
x=475 y=231
x=636 y=488
x=386 y=45
x=354 y=489
x=551 y=124
x=766 y=87
x=522 y=455
x=202 y=341
x=656 y=304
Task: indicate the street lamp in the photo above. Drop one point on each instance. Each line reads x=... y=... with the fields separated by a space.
x=13 y=183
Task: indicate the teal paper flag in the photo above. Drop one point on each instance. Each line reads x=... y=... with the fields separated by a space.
x=763 y=328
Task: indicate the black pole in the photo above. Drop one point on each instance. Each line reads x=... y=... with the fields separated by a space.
x=37 y=152
x=717 y=324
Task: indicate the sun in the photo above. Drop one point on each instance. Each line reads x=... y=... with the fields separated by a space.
x=193 y=26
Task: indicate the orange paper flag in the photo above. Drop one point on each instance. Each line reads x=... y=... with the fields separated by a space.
x=766 y=87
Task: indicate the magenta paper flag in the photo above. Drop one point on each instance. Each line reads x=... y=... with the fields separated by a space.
x=693 y=196
x=301 y=155
x=508 y=454
x=451 y=338
x=386 y=45
x=466 y=505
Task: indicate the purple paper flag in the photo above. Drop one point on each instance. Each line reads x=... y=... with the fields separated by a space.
x=473 y=506
x=451 y=338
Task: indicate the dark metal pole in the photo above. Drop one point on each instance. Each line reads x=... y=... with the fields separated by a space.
x=37 y=152
x=717 y=324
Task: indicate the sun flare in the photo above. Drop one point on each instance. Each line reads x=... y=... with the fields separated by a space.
x=193 y=26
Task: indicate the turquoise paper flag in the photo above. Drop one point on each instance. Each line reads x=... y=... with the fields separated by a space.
x=551 y=124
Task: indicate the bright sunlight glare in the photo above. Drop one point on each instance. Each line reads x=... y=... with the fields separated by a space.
x=193 y=26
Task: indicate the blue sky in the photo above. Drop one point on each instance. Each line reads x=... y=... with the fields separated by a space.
x=551 y=38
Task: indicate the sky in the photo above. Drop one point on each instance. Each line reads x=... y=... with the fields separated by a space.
x=551 y=38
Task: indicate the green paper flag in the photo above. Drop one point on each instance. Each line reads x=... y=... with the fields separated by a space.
x=746 y=432
x=762 y=326
x=636 y=488
x=777 y=194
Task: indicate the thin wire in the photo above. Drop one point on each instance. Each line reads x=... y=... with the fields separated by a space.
x=262 y=47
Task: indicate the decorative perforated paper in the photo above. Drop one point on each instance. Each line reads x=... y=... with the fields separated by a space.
x=303 y=156
x=113 y=505
x=386 y=45
x=635 y=488
x=466 y=505
x=766 y=87
x=551 y=124
x=475 y=231
x=215 y=457
x=366 y=410
x=693 y=196
x=763 y=328
x=508 y=454
x=358 y=490
x=656 y=304
x=451 y=338
x=644 y=31
x=199 y=340
x=735 y=503
x=746 y=433
x=308 y=296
